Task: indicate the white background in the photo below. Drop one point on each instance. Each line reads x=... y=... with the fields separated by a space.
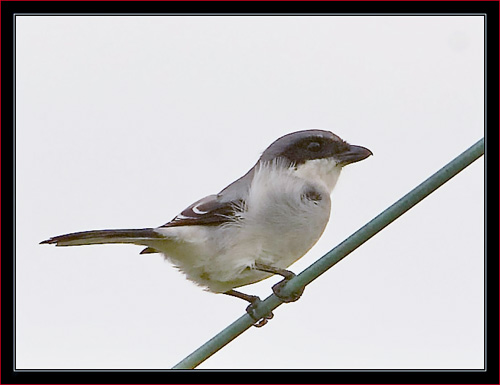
x=122 y=122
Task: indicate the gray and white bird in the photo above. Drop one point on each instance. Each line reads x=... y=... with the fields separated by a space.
x=255 y=227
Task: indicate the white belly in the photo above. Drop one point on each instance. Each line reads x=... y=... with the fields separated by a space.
x=278 y=227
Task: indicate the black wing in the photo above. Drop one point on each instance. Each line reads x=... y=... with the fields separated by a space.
x=209 y=211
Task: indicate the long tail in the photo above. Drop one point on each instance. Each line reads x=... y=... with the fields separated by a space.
x=145 y=237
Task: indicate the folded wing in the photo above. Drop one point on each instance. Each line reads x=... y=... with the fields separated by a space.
x=209 y=211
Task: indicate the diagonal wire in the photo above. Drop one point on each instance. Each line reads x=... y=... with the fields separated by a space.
x=336 y=254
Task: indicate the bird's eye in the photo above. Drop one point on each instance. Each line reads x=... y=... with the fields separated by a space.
x=314 y=146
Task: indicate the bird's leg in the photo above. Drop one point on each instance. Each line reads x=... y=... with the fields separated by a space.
x=254 y=301
x=278 y=288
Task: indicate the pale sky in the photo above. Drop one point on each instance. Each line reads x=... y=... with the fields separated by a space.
x=123 y=121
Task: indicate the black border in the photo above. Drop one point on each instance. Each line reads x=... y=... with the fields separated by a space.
x=9 y=8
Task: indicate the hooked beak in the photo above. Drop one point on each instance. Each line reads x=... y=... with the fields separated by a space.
x=352 y=155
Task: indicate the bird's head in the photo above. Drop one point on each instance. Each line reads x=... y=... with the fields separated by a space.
x=302 y=146
x=315 y=154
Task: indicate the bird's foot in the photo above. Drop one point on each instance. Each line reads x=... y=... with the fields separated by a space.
x=252 y=310
x=287 y=297
x=278 y=288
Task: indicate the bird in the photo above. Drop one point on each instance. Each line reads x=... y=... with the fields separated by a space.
x=254 y=228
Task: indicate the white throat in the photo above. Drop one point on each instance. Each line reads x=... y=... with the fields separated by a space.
x=320 y=171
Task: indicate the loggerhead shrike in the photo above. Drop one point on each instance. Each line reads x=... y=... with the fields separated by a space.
x=255 y=227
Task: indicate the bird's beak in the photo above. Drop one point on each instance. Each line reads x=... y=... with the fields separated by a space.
x=353 y=154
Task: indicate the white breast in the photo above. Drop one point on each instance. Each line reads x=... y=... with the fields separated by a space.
x=278 y=227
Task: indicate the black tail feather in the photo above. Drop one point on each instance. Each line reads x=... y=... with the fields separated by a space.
x=136 y=236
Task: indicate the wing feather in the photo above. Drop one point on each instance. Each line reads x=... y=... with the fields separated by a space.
x=209 y=211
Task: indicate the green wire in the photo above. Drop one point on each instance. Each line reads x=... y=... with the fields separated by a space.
x=337 y=254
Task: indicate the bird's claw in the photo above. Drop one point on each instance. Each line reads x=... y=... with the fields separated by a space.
x=252 y=310
x=289 y=297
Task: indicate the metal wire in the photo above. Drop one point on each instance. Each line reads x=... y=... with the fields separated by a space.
x=338 y=253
